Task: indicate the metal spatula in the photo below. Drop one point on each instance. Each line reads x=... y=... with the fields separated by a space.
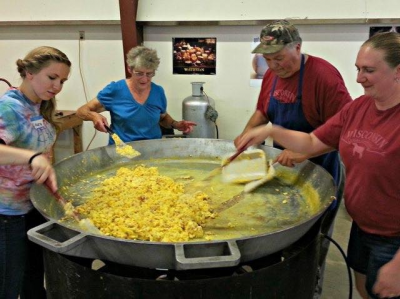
x=122 y=148
x=84 y=223
x=111 y=132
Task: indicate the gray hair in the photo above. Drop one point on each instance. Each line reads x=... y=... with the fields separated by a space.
x=142 y=57
x=293 y=45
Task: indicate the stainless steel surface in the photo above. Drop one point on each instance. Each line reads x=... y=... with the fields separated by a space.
x=60 y=237
x=194 y=109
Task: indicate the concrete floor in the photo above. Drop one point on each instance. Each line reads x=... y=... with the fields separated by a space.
x=336 y=282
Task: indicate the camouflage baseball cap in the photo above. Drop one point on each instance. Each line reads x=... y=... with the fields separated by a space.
x=275 y=36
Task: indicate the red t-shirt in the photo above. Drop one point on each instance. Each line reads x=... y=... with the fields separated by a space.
x=324 y=91
x=369 y=144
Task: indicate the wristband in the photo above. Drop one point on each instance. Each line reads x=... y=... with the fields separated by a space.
x=33 y=157
x=173 y=123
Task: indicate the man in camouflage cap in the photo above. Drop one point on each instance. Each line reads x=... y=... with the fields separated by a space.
x=299 y=92
x=275 y=36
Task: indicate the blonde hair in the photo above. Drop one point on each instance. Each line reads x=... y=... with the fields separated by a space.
x=36 y=60
x=142 y=57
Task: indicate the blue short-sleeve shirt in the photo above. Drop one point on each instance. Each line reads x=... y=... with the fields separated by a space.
x=130 y=119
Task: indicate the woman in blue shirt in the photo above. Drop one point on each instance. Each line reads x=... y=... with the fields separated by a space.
x=137 y=106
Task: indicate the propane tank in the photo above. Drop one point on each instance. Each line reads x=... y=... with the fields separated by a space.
x=200 y=108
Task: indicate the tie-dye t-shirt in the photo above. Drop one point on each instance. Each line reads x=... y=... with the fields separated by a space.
x=22 y=126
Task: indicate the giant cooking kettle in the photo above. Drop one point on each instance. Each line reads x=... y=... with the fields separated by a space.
x=68 y=239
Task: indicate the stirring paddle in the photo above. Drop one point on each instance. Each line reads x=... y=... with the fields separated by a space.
x=84 y=223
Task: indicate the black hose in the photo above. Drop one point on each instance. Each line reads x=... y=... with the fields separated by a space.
x=216 y=128
x=347 y=264
x=4 y=80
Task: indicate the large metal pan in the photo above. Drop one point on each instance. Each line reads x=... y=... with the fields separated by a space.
x=68 y=239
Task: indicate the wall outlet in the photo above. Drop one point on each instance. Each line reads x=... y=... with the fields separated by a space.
x=81 y=35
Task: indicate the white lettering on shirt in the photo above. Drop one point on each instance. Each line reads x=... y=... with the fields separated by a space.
x=365 y=141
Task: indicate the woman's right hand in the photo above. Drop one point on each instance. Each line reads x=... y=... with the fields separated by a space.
x=237 y=139
x=253 y=136
x=99 y=121
x=42 y=170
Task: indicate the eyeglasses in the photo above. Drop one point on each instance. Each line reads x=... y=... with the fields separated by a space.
x=142 y=74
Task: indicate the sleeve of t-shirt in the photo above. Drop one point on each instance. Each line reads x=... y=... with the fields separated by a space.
x=263 y=97
x=163 y=100
x=330 y=132
x=331 y=92
x=9 y=124
x=107 y=95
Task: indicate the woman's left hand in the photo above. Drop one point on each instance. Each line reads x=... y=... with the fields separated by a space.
x=184 y=126
x=387 y=283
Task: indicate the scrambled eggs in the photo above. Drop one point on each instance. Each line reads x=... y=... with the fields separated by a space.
x=141 y=204
x=124 y=149
x=69 y=209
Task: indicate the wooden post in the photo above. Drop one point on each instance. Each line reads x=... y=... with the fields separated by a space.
x=132 y=34
x=67 y=119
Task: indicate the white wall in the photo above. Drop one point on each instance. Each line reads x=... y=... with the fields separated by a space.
x=101 y=61
x=235 y=98
x=161 y=10
x=102 y=53
x=33 y=10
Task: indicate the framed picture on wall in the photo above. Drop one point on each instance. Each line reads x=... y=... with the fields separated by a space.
x=375 y=29
x=194 y=55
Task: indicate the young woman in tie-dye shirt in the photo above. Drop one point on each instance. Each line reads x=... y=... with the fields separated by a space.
x=27 y=133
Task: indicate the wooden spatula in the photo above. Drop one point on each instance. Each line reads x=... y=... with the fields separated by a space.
x=84 y=223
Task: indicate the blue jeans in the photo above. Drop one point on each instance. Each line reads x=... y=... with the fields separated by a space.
x=21 y=261
x=367 y=253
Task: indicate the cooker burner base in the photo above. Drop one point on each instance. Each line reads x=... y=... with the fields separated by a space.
x=176 y=275
x=290 y=273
